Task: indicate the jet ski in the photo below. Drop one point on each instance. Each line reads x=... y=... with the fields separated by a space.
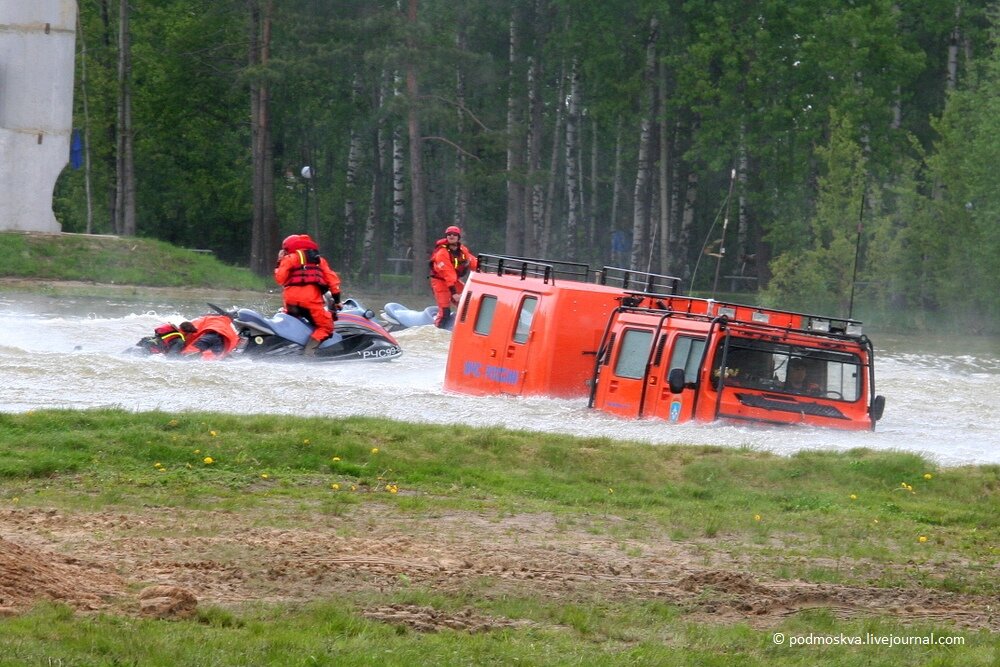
x=398 y=317
x=356 y=336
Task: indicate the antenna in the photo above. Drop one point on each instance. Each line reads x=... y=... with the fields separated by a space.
x=722 y=240
x=857 y=252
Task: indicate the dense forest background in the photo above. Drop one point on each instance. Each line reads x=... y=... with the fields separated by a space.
x=832 y=157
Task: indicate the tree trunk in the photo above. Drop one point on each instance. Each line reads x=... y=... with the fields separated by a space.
x=461 y=215
x=572 y=183
x=687 y=228
x=954 y=40
x=86 y=125
x=264 y=226
x=351 y=183
x=641 y=196
x=664 y=190
x=515 y=190
x=419 y=269
x=743 y=250
x=370 y=259
x=400 y=246
x=616 y=194
x=535 y=220
x=550 y=198
x=125 y=167
x=596 y=246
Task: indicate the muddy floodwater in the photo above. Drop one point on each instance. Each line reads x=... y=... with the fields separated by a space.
x=68 y=352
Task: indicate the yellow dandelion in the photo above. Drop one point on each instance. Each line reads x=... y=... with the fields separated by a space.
x=305 y=441
x=336 y=458
x=756 y=517
x=902 y=484
x=162 y=469
x=854 y=496
x=610 y=490
x=335 y=487
x=393 y=488
x=374 y=450
x=208 y=460
x=264 y=475
x=928 y=476
x=922 y=539
x=157 y=465
x=213 y=433
x=353 y=488
x=197 y=451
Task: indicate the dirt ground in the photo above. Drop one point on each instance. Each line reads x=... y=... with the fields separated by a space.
x=161 y=562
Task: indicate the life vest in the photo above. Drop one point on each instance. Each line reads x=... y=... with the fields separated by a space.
x=307 y=271
x=167 y=338
x=459 y=258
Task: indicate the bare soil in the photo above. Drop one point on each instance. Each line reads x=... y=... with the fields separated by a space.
x=163 y=562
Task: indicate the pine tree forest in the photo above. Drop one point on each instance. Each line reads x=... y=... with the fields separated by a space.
x=837 y=157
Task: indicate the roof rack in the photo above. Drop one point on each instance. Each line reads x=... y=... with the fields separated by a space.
x=755 y=316
x=546 y=269
x=641 y=282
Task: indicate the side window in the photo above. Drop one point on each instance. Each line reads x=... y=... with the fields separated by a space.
x=633 y=353
x=687 y=354
x=524 y=317
x=484 y=316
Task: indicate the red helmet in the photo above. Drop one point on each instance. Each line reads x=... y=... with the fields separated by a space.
x=299 y=242
x=453 y=230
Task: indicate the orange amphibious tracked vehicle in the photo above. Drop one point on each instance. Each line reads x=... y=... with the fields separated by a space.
x=637 y=349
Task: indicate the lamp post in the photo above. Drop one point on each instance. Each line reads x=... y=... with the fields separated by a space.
x=307 y=174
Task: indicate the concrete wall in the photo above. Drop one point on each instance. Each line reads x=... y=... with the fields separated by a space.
x=37 y=58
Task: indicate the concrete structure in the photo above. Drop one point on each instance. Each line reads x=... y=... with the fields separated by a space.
x=37 y=60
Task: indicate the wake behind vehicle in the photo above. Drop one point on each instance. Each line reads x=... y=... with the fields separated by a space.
x=627 y=341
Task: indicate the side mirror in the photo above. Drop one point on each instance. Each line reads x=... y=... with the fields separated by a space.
x=878 y=407
x=675 y=379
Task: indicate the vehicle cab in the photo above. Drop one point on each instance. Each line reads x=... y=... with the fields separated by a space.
x=684 y=358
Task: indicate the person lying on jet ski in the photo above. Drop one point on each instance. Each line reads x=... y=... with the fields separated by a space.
x=306 y=277
x=212 y=337
x=168 y=338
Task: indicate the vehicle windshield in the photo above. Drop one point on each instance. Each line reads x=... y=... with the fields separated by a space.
x=790 y=369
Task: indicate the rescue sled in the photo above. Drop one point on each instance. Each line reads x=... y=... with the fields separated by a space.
x=635 y=348
x=399 y=317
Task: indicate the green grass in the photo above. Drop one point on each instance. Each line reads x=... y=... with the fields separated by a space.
x=117 y=260
x=785 y=517
x=332 y=633
x=802 y=503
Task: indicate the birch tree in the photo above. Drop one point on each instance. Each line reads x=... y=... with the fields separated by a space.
x=125 y=166
x=641 y=197
x=572 y=174
x=264 y=226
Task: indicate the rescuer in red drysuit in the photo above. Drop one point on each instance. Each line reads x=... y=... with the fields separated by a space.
x=306 y=277
x=450 y=263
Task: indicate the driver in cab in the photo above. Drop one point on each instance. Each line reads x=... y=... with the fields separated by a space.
x=797 y=382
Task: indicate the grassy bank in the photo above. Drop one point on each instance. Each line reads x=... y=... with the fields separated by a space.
x=869 y=526
x=117 y=261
